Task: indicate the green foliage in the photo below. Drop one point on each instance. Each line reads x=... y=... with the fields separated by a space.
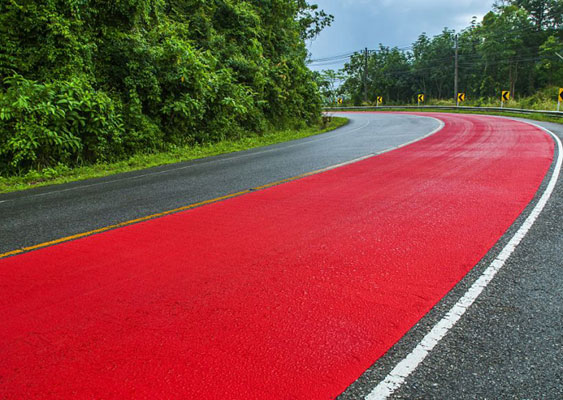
x=61 y=121
x=61 y=173
x=513 y=48
x=328 y=81
x=90 y=80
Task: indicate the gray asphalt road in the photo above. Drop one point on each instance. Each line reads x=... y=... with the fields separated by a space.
x=509 y=344
x=49 y=213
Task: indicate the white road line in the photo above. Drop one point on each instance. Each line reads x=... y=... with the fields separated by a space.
x=406 y=366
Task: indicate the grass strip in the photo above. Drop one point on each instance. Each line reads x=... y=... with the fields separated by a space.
x=63 y=174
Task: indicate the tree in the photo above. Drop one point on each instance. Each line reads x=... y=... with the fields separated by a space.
x=388 y=75
x=512 y=48
x=433 y=61
x=328 y=82
x=545 y=14
x=168 y=71
x=505 y=48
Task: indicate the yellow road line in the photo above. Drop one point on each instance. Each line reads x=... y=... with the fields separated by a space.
x=161 y=214
x=119 y=225
x=202 y=203
x=183 y=208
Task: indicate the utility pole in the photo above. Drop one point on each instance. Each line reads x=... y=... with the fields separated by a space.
x=456 y=72
x=366 y=76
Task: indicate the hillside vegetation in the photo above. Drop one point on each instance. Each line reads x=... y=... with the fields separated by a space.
x=516 y=47
x=83 y=81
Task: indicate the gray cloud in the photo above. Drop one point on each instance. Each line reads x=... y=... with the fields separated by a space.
x=366 y=23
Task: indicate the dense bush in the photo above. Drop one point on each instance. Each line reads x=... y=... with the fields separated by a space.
x=61 y=121
x=88 y=80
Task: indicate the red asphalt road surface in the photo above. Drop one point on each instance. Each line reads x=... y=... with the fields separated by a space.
x=286 y=293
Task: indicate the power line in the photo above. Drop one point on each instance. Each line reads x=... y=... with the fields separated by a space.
x=465 y=59
x=508 y=60
x=344 y=56
x=478 y=29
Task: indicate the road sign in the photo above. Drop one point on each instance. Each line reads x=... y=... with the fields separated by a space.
x=505 y=95
x=379 y=99
x=560 y=98
x=460 y=97
x=339 y=100
x=421 y=98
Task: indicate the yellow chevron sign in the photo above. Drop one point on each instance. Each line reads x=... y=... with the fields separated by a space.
x=421 y=98
x=505 y=95
x=461 y=97
x=339 y=100
x=560 y=95
x=380 y=99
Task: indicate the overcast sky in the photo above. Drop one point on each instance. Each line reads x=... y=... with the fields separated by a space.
x=366 y=23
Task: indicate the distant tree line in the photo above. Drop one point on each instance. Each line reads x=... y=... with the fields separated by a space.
x=514 y=48
x=89 y=80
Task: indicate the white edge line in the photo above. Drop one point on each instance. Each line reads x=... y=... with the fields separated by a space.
x=406 y=366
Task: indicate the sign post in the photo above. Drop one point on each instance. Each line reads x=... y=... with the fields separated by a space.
x=505 y=97
x=559 y=98
x=460 y=98
x=420 y=99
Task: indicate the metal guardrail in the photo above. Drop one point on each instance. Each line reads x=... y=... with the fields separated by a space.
x=495 y=109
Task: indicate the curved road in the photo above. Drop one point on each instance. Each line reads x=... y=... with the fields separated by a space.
x=48 y=213
x=309 y=289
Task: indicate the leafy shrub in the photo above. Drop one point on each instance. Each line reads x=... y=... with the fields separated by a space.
x=89 y=80
x=42 y=124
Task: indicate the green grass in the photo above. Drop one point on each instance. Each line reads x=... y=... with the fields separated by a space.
x=536 y=102
x=63 y=174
